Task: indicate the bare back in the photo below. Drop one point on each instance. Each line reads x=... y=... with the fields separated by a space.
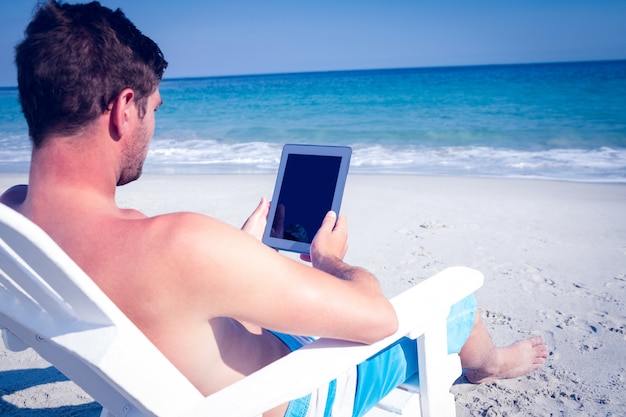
x=136 y=261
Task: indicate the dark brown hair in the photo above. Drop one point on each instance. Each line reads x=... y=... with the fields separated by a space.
x=75 y=60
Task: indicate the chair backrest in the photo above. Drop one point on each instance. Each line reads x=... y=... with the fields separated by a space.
x=48 y=303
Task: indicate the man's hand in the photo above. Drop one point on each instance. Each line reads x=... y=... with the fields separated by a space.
x=255 y=225
x=330 y=244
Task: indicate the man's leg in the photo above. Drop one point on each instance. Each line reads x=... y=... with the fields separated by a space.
x=484 y=362
x=389 y=368
x=467 y=336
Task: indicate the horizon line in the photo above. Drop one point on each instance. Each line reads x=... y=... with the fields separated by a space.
x=279 y=73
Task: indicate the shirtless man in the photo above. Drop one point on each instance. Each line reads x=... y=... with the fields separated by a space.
x=88 y=83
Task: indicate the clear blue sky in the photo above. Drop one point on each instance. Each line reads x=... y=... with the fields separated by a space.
x=230 y=37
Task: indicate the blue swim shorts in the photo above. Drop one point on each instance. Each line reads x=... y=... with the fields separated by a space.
x=363 y=387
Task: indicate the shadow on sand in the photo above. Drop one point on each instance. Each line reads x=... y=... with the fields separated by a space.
x=17 y=380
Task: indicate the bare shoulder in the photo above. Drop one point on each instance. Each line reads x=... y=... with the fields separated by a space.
x=171 y=259
x=198 y=256
x=14 y=196
x=194 y=243
x=188 y=230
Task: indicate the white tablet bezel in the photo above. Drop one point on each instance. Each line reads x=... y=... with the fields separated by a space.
x=344 y=152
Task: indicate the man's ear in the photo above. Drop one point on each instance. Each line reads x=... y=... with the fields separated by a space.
x=121 y=110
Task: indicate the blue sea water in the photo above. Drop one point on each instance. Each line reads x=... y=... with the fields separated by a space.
x=563 y=121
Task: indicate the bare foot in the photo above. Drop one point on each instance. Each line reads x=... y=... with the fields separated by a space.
x=512 y=361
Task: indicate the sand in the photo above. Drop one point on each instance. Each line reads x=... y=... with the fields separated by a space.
x=553 y=255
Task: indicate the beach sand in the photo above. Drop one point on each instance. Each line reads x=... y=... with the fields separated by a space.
x=553 y=255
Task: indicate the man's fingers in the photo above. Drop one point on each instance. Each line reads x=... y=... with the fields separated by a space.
x=341 y=224
x=329 y=220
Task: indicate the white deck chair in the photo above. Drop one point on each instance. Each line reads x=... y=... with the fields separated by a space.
x=49 y=304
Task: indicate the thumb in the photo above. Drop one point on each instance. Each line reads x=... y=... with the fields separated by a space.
x=262 y=207
x=329 y=220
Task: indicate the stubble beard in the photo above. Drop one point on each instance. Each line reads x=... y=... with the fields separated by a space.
x=134 y=157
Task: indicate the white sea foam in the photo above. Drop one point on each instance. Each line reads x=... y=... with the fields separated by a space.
x=599 y=165
x=215 y=157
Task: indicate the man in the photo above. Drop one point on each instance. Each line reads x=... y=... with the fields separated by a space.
x=88 y=83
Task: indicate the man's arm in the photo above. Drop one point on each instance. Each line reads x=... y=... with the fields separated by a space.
x=329 y=242
x=232 y=274
x=328 y=249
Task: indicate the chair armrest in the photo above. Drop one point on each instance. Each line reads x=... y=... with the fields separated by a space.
x=12 y=342
x=302 y=371
x=417 y=306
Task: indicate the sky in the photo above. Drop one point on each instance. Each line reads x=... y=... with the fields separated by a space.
x=235 y=37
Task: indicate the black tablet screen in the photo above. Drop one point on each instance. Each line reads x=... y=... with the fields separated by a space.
x=306 y=195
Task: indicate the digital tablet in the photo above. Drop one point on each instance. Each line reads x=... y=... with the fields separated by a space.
x=310 y=182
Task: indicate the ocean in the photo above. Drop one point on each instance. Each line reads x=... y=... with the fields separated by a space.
x=563 y=121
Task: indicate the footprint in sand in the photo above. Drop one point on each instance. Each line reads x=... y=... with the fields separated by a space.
x=496 y=318
x=610 y=324
x=533 y=280
x=617 y=283
x=433 y=224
